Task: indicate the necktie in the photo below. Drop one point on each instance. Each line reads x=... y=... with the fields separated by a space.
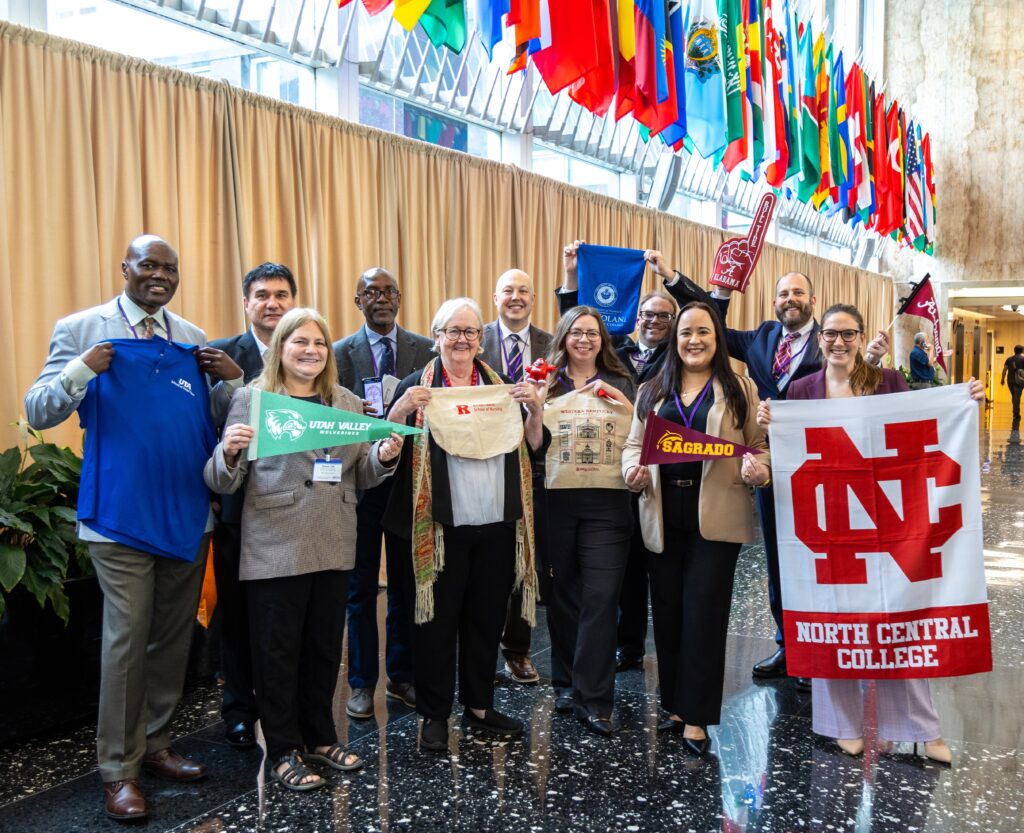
x=514 y=359
x=640 y=359
x=146 y=327
x=387 y=362
x=783 y=356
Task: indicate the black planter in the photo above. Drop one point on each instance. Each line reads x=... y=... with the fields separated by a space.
x=49 y=674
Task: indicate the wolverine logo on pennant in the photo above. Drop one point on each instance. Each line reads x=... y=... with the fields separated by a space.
x=906 y=532
x=283 y=422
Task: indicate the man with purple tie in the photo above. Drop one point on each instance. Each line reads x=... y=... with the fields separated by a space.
x=509 y=345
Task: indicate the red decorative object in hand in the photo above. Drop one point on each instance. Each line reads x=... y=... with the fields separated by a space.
x=603 y=393
x=540 y=370
x=736 y=258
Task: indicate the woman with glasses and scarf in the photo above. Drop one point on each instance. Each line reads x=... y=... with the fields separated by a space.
x=695 y=516
x=468 y=524
x=905 y=708
x=587 y=534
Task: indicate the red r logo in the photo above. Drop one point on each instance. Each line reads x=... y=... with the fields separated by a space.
x=908 y=536
x=462 y=409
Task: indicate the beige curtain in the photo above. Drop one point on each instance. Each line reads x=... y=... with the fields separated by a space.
x=96 y=148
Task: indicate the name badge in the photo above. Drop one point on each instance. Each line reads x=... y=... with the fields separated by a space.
x=327 y=471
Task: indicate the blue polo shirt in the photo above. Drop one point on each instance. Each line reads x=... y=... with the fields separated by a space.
x=148 y=434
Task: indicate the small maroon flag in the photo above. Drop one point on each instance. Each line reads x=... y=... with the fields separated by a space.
x=670 y=442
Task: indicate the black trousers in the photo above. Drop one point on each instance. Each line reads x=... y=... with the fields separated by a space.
x=470 y=601
x=1015 y=403
x=632 y=635
x=298 y=626
x=588 y=537
x=766 y=511
x=239 y=701
x=517 y=634
x=691 y=593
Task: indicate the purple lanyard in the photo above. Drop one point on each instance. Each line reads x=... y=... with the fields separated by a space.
x=784 y=367
x=688 y=420
x=167 y=322
x=504 y=350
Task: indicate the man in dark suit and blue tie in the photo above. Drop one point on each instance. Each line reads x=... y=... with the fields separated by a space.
x=510 y=344
x=268 y=292
x=377 y=349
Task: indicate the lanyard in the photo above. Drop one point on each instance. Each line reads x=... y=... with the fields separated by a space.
x=688 y=420
x=167 y=322
x=784 y=366
x=446 y=382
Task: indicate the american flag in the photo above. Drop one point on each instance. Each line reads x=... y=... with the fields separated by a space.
x=915 y=213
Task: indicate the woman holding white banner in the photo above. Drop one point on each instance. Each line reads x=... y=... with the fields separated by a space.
x=695 y=516
x=905 y=708
x=589 y=410
x=298 y=550
x=463 y=502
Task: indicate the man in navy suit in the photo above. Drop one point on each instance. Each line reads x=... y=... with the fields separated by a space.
x=379 y=348
x=776 y=353
x=268 y=292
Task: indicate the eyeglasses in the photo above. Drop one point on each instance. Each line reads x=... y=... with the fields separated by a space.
x=589 y=335
x=374 y=294
x=664 y=317
x=453 y=333
x=847 y=335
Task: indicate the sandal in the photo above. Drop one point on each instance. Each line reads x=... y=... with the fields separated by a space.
x=294 y=773
x=337 y=757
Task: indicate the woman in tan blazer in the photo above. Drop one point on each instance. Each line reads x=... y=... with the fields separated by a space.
x=298 y=549
x=694 y=517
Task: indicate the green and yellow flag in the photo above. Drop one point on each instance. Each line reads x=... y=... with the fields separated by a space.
x=284 y=425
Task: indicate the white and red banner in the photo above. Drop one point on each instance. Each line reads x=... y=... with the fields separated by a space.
x=878 y=516
x=924 y=305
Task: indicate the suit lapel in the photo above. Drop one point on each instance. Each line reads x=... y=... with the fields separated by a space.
x=362 y=356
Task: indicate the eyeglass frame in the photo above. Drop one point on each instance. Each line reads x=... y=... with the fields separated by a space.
x=460 y=332
x=589 y=335
x=649 y=315
x=840 y=334
x=372 y=293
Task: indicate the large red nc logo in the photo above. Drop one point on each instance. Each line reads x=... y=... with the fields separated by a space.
x=909 y=538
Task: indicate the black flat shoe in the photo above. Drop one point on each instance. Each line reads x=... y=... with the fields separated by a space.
x=434 y=735
x=670 y=725
x=773 y=666
x=598 y=725
x=698 y=748
x=628 y=662
x=493 y=723
x=803 y=685
x=563 y=701
x=240 y=735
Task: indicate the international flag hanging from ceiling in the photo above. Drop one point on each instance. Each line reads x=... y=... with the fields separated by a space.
x=744 y=83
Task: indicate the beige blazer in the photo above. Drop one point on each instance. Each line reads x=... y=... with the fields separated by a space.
x=725 y=506
x=290 y=524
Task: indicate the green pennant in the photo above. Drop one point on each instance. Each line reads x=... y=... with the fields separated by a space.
x=285 y=424
x=444 y=21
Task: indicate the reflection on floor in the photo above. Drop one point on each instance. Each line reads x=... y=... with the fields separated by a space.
x=767 y=772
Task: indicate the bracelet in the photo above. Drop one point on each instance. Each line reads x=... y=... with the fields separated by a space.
x=766 y=483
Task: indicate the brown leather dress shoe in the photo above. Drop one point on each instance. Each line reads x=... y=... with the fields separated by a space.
x=170 y=765
x=521 y=668
x=124 y=800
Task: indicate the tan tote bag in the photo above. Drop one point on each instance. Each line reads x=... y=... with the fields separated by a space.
x=588 y=433
x=476 y=422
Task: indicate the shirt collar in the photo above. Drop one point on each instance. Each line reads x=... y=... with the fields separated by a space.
x=259 y=344
x=374 y=336
x=134 y=313
x=802 y=333
x=524 y=334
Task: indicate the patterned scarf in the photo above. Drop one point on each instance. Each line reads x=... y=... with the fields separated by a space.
x=428 y=536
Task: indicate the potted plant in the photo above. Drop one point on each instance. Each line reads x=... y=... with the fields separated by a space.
x=50 y=671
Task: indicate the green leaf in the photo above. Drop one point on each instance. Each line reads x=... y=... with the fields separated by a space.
x=59 y=601
x=40 y=512
x=13 y=521
x=10 y=462
x=12 y=566
x=38 y=587
x=65 y=513
x=3 y=604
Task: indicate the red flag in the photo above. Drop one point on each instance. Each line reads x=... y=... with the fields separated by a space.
x=922 y=303
x=573 y=51
x=596 y=88
x=372 y=6
x=670 y=442
x=625 y=96
x=880 y=168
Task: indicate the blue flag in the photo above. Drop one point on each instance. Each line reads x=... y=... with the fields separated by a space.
x=609 y=280
x=704 y=79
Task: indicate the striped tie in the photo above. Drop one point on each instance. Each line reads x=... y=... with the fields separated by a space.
x=387 y=360
x=783 y=356
x=515 y=359
x=147 y=327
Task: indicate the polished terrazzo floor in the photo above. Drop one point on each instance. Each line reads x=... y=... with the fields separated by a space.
x=766 y=770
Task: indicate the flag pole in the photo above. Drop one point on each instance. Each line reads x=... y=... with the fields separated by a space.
x=906 y=302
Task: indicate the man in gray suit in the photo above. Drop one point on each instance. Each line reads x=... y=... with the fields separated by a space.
x=511 y=344
x=379 y=348
x=268 y=292
x=149 y=600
